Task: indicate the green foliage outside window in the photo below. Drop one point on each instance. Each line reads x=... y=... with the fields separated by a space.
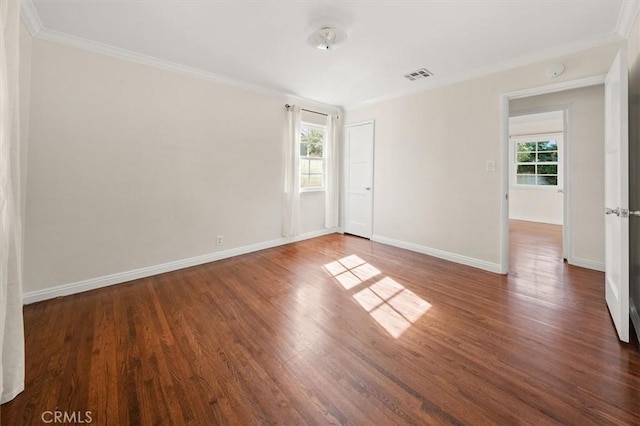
x=537 y=163
x=311 y=157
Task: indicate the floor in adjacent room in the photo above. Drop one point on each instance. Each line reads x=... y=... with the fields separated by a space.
x=337 y=329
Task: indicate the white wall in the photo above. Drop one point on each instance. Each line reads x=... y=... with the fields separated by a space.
x=132 y=167
x=585 y=167
x=535 y=203
x=431 y=189
x=529 y=127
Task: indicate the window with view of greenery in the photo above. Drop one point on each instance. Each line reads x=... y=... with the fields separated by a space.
x=537 y=163
x=311 y=156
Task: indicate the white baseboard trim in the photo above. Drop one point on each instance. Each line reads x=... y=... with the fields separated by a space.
x=441 y=254
x=589 y=264
x=635 y=316
x=122 y=277
x=536 y=219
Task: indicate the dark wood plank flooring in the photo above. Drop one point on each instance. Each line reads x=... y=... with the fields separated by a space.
x=337 y=330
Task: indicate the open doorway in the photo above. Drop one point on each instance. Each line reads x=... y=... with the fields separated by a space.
x=580 y=159
x=536 y=185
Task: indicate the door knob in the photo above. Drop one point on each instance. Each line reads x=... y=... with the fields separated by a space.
x=615 y=211
x=368 y=188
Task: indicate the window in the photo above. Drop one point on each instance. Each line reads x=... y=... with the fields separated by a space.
x=311 y=157
x=536 y=161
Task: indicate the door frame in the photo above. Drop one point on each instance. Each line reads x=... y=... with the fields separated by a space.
x=567 y=250
x=504 y=151
x=343 y=183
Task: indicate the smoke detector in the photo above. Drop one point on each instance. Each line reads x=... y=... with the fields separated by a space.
x=554 y=70
x=327 y=38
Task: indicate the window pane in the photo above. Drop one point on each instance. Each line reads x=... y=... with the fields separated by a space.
x=526 y=180
x=548 y=146
x=547 y=180
x=311 y=156
x=526 y=147
x=526 y=157
x=526 y=170
x=311 y=135
x=316 y=166
x=548 y=156
x=548 y=169
x=304 y=166
x=316 y=135
x=315 y=150
x=315 y=181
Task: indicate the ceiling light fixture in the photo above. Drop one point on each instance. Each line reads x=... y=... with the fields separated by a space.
x=327 y=38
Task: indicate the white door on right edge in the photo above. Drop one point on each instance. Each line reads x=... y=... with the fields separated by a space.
x=358 y=179
x=616 y=176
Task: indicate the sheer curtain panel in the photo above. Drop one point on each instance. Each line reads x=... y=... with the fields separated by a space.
x=11 y=328
x=291 y=196
x=332 y=185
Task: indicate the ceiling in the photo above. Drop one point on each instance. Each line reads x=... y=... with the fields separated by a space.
x=262 y=45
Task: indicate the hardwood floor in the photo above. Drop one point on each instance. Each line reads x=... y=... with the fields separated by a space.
x=333 y=330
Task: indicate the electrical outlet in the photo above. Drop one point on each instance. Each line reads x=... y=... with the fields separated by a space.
x=219 y=240
x=491 y=166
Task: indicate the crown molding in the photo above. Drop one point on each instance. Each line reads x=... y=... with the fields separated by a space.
x=30 y=17
x=627 y=17
x=529 y=59
x=128 y=55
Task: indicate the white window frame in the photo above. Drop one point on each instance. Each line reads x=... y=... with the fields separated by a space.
x=324 y=158
x=536 y=137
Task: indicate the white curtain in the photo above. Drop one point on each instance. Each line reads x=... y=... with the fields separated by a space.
x=291 y=200
x=11 y=328
x=332 y=188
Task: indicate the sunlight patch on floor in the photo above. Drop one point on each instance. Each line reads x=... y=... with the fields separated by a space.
x=388 y=302
x=351 y=271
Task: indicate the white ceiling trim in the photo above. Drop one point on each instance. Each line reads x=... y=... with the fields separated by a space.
x=128 y=55
x=32 y=21
x=627 y=17
x=503 y=66
x=30 y=17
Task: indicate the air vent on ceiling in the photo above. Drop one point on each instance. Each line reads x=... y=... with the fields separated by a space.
x=418 y=74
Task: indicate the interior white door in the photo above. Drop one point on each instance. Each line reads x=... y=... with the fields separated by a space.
x=358 y=164
x=617 y=194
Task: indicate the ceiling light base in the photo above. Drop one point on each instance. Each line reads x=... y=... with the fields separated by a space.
x=327 y=38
